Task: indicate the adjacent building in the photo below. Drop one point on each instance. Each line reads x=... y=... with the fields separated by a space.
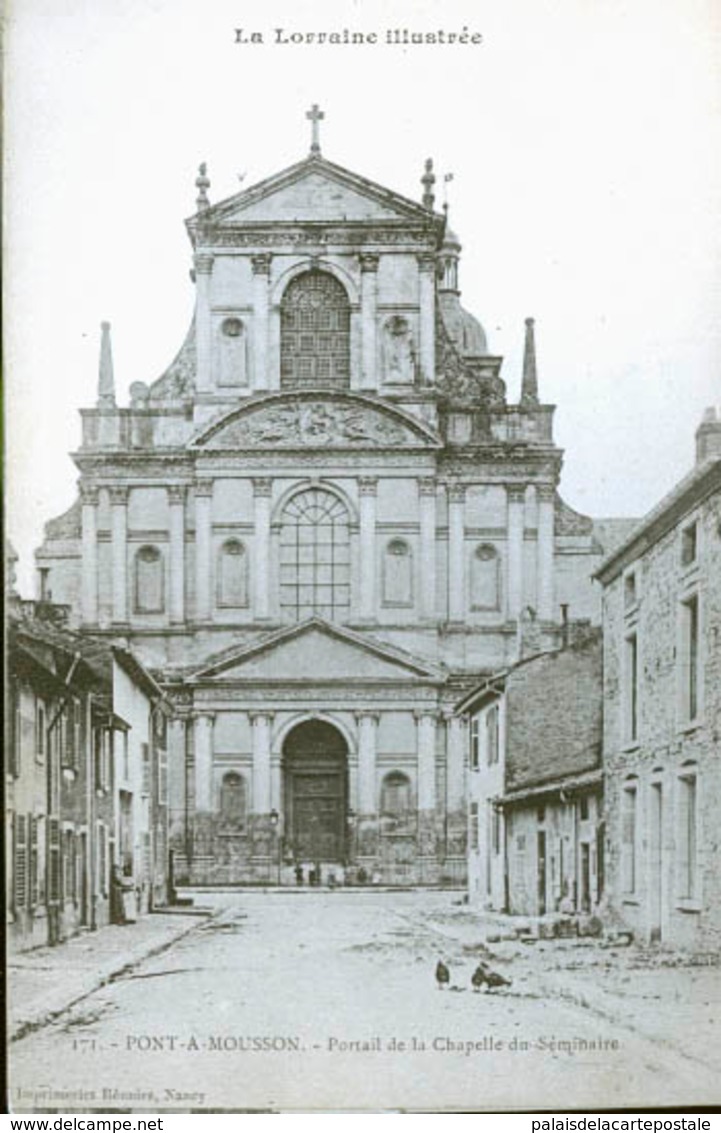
x=662 y=712
x=85 y=780
x=321 y=523
x=535 y=799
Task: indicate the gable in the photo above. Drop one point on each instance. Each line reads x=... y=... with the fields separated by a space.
x=312 y=197
x=315 y=421
x=315 y=190
x=315 y=653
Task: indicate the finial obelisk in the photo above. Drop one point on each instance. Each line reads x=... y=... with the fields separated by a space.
x=428 y=180
x=106 y=377
x=529 y=387
x=315 y=115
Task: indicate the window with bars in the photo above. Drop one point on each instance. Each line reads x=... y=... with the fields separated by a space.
x=315 y=333
x=20 y=863
x=315 y=556
x=145 y=782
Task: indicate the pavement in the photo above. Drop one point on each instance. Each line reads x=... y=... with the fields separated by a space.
x=46 y=982
x=166 y=1018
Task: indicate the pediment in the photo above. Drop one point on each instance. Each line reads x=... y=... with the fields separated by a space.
x=313 y=190
x=316 y=651
x=315 y=420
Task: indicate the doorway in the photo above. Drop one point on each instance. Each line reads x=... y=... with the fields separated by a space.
x=315 y=790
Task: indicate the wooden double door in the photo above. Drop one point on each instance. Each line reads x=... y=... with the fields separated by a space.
x=315 y=793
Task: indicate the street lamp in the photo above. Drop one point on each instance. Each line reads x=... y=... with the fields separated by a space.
x=274 y=822
x=350 y=819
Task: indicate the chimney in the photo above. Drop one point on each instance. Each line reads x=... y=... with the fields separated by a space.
x=708 y=436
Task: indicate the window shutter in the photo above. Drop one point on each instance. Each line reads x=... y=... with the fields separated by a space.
x=145 y=788
x=20 y=863
x=33 y=824
x=54 y=878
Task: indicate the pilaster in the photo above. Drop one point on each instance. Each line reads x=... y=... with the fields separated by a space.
x=427 y=589
x=261 y=279
x=89 y=593
x=369 y=349
x=119 y=529
x=203 y=263
x=262 y=490
x=546 y=495
x=427 y=304
x=456 y=553
x=516 y=497
x=203 y=762
x=176 y=503
x=203 y=507
x=367 y=489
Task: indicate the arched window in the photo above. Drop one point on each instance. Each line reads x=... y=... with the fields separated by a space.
x=485 y=579
x=149 y=588
x=315 y=556
x=397 y=574
x=232 y=799
x=315 y=332
x=396 y=794
x=232 y=574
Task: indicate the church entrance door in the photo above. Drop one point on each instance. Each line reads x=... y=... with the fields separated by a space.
x=315 y=780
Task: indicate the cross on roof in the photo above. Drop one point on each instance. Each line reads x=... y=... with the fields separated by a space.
x=315 y=115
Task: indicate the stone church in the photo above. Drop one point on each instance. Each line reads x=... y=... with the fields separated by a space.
x=322 y=524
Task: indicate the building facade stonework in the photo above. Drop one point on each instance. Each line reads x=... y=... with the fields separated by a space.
x=662 y=713
x=320 y=524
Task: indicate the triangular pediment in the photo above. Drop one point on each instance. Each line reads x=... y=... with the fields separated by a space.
x=318 y=652
x=315 y=420
x=314 y=190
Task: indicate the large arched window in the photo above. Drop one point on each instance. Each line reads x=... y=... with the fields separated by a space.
x=315 y=556
x=149 y=589
x=232 y=799
x=397 y=574
x=315 y=333
x=485 y=579
x=232 y=574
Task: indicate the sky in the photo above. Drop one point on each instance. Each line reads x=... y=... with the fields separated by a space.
x=583 y=141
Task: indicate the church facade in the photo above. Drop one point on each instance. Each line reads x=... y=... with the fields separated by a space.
x=320 y=526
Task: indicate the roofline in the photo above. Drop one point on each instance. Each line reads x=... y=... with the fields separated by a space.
x=700 y=483
x=137 y=672
x=486 y=691
x=573 y=781
x=257 y=191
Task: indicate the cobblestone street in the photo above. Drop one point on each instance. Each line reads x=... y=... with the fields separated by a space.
x=300 y=1000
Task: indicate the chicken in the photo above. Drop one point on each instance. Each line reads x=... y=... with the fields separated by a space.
x=478 y=978
x=495 y=979
x=442 y=975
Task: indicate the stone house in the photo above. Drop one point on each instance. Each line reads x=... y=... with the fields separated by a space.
x=320 y=524
x=534 y=783
x=662 y=712
x=71 y=746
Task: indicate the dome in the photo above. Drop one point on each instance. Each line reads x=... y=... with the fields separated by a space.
x=464 y=329
x=450 y=241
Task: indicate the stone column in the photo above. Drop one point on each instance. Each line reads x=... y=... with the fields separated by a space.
x=369 y=350
x=367 y=487
x=176 y=501
x=426 y=753
x=365 y=833
x=89 y=594
x=516 y=495
x=203 y=263
x=427 y=304
x=119 y=527
x=203 y=762
x=367 y=732
x=262 y=489
x=261 y=277
x=456 y=553
x=427 y=501
x=545 y=495
x=260 y=722
x=203 y=505
x=426 y=764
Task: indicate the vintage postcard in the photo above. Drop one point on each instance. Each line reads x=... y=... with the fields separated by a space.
x=363 y=556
